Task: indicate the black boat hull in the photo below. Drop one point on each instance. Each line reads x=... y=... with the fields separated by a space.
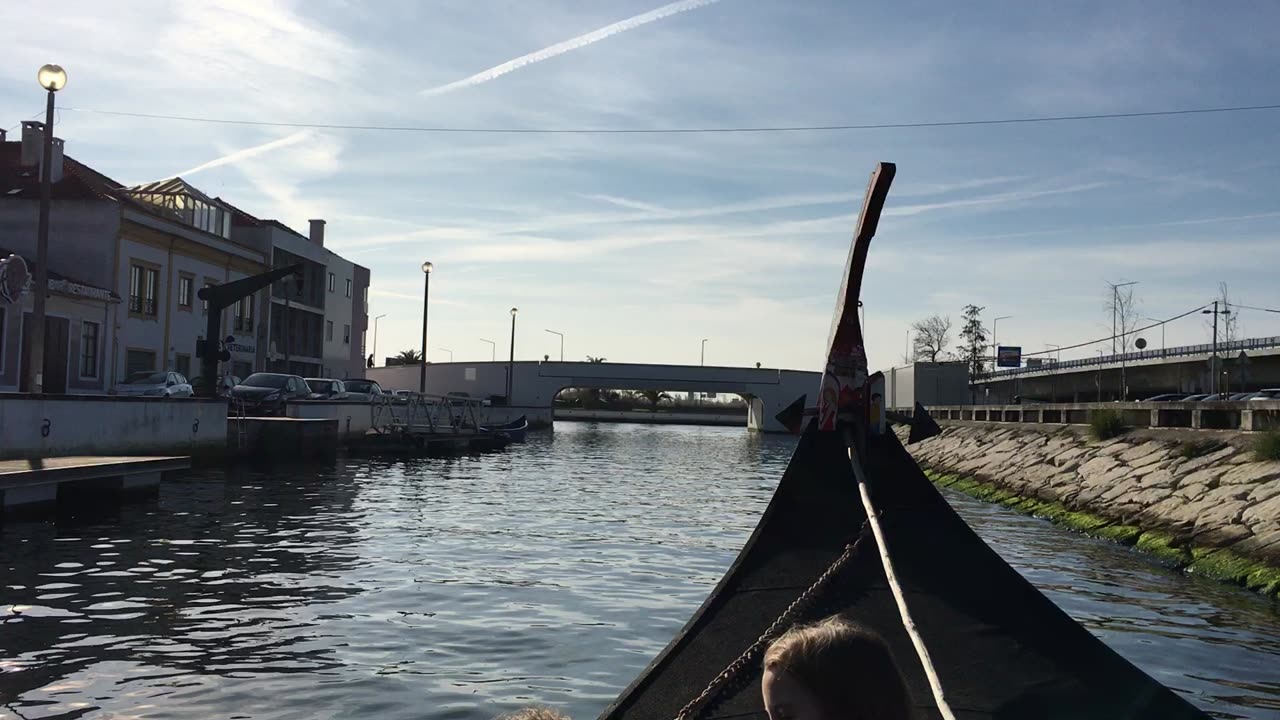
x=1001 y=649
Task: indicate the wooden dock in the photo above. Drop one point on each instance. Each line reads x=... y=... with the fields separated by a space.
x=36 y=484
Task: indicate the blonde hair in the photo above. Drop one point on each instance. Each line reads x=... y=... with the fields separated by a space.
x=535 y=713
x=849 y=669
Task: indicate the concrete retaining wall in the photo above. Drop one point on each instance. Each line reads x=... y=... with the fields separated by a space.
x=56 y=425
x=1247 y=416
x=1201 y=494
x=353 y=418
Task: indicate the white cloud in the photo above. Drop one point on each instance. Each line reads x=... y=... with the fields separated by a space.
x=246 y=153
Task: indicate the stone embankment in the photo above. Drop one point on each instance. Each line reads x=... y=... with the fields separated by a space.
x=1201 y=503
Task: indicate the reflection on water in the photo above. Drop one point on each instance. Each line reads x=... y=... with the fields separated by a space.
x=459 y=588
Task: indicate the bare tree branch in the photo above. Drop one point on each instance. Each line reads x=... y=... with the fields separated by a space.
x=932 y=336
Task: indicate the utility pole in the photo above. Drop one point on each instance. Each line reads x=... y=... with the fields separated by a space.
x=1213 y=360
x=1115 y=315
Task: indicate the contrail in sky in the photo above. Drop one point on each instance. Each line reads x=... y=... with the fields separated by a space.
x=248 y=152
x=561 y=48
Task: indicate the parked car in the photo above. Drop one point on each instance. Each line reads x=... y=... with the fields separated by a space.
x=326 y=389
x=363 y=390
x=1236 y=397
x=1266 y=394
x=1167 y=397
x=154 y=383
x=400 y=397
x=225 y=383
x=267 y=393
x=1196 y=398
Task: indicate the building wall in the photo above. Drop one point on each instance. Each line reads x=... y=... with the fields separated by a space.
x=76 y=311
x=81 y=236
x=360 y=339
x=172 y=332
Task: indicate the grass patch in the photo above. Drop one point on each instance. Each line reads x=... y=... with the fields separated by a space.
x=1267 y=445
x=1106 y=424
x=1123 y=534
x=1161 y=545
x=1191 y=449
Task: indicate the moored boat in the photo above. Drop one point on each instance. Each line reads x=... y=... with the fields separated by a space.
x=514 y=431
x=855 y=528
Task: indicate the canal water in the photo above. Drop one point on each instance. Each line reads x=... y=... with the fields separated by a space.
x=460 y=588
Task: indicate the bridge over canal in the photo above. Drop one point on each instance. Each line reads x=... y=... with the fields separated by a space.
x=535 y=384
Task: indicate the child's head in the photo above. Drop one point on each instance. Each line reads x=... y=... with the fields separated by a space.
x=832 y=670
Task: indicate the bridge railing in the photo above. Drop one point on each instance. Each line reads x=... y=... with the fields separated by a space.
x=1180 y=351
x=1248 y=416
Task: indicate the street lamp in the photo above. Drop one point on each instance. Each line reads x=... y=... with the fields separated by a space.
x=511 y=362
x=374 y=351
x=448 y=351
x=995 y=347
x=493 y=349
x=1161 y=332
x=703 y=360
x=52 y=78
x=553 y=332
x=427 y=267
x=1048 y=346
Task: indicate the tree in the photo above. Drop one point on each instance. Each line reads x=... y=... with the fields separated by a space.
x=1228 y=328
x=592 y=359
x=409 y=357
x=974 y=335
x=1124 y=310
x=652 y=396
x=933 y=334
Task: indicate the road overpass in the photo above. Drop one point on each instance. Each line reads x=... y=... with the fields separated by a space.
x=1147 y=373
x=535 y=384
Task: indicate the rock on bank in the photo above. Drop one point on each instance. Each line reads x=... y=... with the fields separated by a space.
x=1198 y=501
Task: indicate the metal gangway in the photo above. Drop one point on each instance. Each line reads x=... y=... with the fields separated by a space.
x=425 y=414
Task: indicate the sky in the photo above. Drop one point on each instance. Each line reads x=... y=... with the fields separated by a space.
x=636 y=247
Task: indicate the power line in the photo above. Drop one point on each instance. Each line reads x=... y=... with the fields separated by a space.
x=1246 y=307
x=686 y=130
x=1112 y=337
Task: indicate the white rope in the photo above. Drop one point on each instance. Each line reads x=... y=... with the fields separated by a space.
x=922 y=652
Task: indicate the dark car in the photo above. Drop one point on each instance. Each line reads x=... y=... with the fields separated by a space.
x=363 y=390
x=326 y=389
x=267 y=393
x=1167 y=397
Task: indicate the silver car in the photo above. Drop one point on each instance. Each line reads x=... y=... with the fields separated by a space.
x=363 y=390
x=326 y=389
x=154 y=383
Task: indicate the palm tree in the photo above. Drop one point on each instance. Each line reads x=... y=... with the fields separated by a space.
x=592 y=359
x=409 y=357
x=653 y=396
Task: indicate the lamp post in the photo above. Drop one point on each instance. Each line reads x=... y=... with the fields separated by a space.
x=374 y=351
x=703 y=359
x=448 y=351
x=1098 y=379
x=1058 y=348
x=553 y=332
x=1115 y=308
x=1053 y=375
x=493 y=349
x=995 y=347
x=52 y=78
x=288 y=293
x=511 y=362
x=1162 y=322
x=1213 y=360
x=427 y=267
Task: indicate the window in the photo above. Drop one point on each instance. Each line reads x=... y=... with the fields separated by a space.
x=248 y=313
x=137 y=361
x=185 y=286
x=346 y=334
x=348 y=287
x=332 y=280
x=328 y=330
x=88 y=349
x=364 y=335
x=366 y=299
x=182 y=363
x=204 y=304
x=144 y=287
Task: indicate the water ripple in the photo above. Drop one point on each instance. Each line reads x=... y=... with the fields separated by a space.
x=459 y=588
